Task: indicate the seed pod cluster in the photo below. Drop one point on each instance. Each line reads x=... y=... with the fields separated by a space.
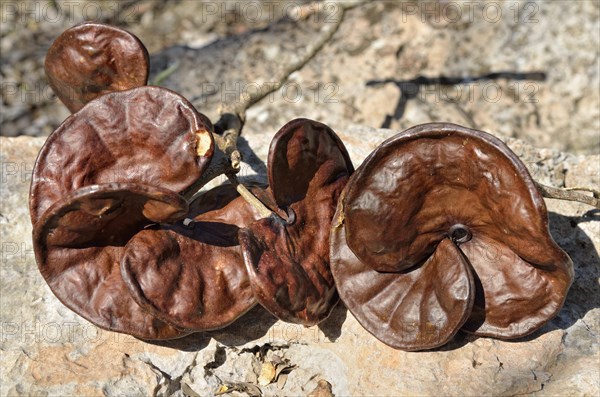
x=440 y=229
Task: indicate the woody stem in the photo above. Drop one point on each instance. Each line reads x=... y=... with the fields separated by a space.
x=570 y=194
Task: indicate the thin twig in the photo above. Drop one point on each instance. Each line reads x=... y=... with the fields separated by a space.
x=227 y=158
x=584 y=189
x=251 y=199
x=246 y=100
x=568 y=194
x=229 y=128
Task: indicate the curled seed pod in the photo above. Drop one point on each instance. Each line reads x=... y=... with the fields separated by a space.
x=79 y=241
x=93 y=59
x=148 y=135
x=441 y=188
x=419 y=309
x=193 y=276
x=288 y=261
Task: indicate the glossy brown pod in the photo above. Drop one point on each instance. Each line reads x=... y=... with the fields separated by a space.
x=436 y=186
x=146 y=135
x=288 y=261
x=79 y=241
x=92 y=59
x=194 y=276
x=420 y=309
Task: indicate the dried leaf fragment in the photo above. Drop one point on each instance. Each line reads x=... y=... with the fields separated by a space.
x=267 y=374
x=188 y=391
x=242 y=387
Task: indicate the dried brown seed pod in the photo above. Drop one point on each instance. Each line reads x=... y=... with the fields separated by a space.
x=193 y=276
x=148 y=135
x=93 y=59
x=288 y=261
x=436 y=193
x=79 y=241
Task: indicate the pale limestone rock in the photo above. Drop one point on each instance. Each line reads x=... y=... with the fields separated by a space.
x=48 y=350
x=399 y=41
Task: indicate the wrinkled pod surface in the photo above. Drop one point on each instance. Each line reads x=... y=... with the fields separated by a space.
x=92 y=59
x=441 y=229
x=147 y=135
x=192 y=275
x=287 y=254
x=79 y=241
x=109 y=171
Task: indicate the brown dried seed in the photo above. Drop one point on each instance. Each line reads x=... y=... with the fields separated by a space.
x=147 y=135
x=424 y=190
x=78 y=243
x=193 y=276
x=288 y=261
x=93 y=59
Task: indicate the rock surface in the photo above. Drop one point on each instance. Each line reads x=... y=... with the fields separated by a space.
x=49 y=351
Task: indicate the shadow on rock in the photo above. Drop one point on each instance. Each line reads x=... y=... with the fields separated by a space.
x=191 y=343
x=332 y=325
x=584 y=294
x=252 y=326
x=460 y=340
x=410 y=89
x=250 y=157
